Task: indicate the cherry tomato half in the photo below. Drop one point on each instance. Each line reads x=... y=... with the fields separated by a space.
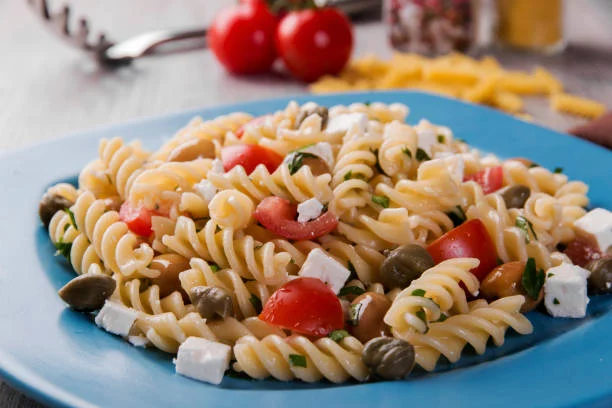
x=278 y=215
x=490 y=179
x=304 y=305
x=242 y=37
x=582 y=250
x=256 y=121
x=314 y=42
x=469 y=240
x=249 y=156
x=138 y=219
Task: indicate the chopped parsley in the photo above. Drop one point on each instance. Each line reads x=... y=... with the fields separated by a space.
x=351 y=290
x=377 y=165
x=533 y=279
x=352 y=270
x=526 y=225
x=367 y=103
x=72 y=219
x=457 y=216
x=407 y=152
x=441 y=139
x=421 y=155
x=421 y=315
x=550 y=274
x=214 y=267
x=442 y=318
x=349 y=175
x=354 y=314
x=558 y=170
x=256 y=302
x=338 y=335
x=297 y=161
x=418 y=292
x=292 y=261
x=556 y=301
x=63 y=248
x=533 y=164
x=297 y=360
x=381 y=200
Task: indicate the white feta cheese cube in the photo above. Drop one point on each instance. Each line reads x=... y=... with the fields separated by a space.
x=217 y=167
x=427 y=137
x=309 y=210
x=565 y=291
x=322 y=266
x=138 y=341
x=344 y=122
x=598 y=224
x=116 y=318
x=203 y=359
x=206 y=190
x=322 y=150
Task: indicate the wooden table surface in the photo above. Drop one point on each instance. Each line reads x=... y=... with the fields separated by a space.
x=48 y=89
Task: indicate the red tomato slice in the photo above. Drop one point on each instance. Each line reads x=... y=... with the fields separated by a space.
x=249 y=156
x=304 y=305
x=137 y=219
x=469 y=240
x=240 y=131
x=490 y=179
x=278 y=215
x=582 y=250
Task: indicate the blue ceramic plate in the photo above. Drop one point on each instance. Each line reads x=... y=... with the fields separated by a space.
x=61 y=358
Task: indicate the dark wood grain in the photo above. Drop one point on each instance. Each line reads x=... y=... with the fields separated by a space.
x=48 y=89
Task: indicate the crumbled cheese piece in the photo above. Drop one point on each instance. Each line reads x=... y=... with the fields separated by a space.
x=323 y=151
x=138 y=341
x=344 y=122
x=426 y=139
x=116 y=318
x=309 y=210
x=217 y=167
x=203 y=359
x=206 y=190
x=322 y=266
x=598 y=224
x=565 y=291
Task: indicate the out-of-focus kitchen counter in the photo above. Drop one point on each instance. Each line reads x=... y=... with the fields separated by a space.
x=48 y=89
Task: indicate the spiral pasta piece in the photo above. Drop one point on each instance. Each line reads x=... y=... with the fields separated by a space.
x=443 y=294
x=398 y=149
x=483 y=321
x=324 y=358
x=536 y=178
x=229 y=249
x=231 y=208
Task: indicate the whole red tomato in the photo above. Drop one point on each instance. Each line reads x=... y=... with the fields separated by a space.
x=242 y=37
x=314 y=42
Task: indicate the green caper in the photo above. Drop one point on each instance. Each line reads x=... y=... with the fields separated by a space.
x=600 y=280
x=88 y=292
x=210 y=301
x=311 y=110
x=516 y=196
x=388 y=358
x=403 y=265
x=49 y=205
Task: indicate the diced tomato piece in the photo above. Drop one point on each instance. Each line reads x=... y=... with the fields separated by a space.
x=278 y=215
x=256 y=121
x=138 y=219
x=469 y=240
x=582 y=250
x=490 y=179
x=304 y=305
x=250 y=156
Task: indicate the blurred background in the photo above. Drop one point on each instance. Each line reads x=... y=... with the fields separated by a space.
x=49 y=87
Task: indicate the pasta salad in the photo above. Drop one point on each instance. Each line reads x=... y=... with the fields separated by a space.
x=322 y=243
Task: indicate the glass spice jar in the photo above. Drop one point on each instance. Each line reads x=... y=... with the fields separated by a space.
x=430 y=27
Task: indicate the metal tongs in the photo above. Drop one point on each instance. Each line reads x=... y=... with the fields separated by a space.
x=110 y=53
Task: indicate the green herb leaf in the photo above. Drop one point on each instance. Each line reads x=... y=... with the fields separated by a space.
x=441 y=139
x=292 y=261
x=351 y=290
x=460 y=140
x=352 y=270
x=457 y=216
x=297 y=360
x=533 y=279
x=407 y=152
x=348 y=175
x=214 y=267
x=558 y=170
x=354 y=314
x=377 y=164
x=66 y=226
x=418 y=292
x=442 y=318
x=256 y=302
x=72 y=219
x=550 y=274
x=526 y=225
x=556 y=301
x=367 y=103
x=338 y=335
x=533 y=164
x=381 y=200
x=421 y=155
x=297 y=161
x=421 y=315
x=63 y=248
